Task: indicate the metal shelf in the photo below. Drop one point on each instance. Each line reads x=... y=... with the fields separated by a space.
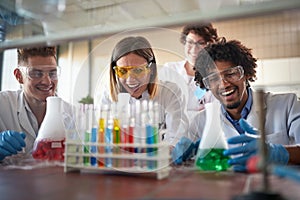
x=84 y=20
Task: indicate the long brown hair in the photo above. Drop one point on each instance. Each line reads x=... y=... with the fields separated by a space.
x=141 y=47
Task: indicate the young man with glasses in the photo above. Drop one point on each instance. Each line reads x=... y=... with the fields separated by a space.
x=226 y=69
x=194 y=37
x=23 y=111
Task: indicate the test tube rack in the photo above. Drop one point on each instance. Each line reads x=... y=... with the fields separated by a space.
x=119 y=159
x=124 y=138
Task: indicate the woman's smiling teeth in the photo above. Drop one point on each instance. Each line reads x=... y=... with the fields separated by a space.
x=133 y=85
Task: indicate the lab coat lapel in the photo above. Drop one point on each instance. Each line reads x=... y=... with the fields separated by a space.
x=23 y=118
x=228 y=128
x=253 y=117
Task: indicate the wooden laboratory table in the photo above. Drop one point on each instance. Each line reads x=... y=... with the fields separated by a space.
x=183 y=183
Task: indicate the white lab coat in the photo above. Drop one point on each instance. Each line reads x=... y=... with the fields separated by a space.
x=175 y=72
x=171 y=107
x=282 y=124
x=15 y=114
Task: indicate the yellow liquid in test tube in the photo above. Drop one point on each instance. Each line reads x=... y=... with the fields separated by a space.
x=116 y=140
x=101 y=135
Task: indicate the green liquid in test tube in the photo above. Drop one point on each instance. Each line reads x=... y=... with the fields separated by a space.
x=86 y=159
x=156 y=123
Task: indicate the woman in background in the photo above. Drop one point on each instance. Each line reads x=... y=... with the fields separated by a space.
x=194 y=37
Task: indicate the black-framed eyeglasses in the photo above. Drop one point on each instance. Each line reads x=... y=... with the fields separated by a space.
x=190 y=43
x=35 y=73
x=231 y=75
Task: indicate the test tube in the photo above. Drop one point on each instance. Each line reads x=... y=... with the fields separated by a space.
x=131 y=126
x=87 y=133
x=116 y=133
x=101 y=132
x=124 y=135
x=94 y=132
x=137 y=131
x=156 y=138
x=150 y=134
x=144 y=126
x=108 y=140
x=131 y=132
x=156 y=122
x=80 y=120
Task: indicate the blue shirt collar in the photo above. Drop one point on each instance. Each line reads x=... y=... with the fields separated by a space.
x=245 y=111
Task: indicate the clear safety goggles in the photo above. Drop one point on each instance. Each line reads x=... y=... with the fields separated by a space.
x=36 y=73
x=231 y=75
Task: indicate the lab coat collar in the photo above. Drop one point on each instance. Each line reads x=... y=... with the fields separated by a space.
x=22 y=114
x=255 y=102
x=253 y=117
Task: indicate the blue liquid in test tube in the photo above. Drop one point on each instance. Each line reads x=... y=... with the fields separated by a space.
x=150 y=135
x=94 y=148
x=150 y=140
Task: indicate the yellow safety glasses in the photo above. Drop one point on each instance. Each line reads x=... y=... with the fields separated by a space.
x=134 y=71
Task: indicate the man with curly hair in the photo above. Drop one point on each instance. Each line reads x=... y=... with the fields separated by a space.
x=226 y=69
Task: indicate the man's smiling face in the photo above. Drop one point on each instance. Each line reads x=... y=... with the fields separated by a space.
x=233 y=95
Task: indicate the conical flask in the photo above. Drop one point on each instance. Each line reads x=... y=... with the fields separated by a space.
x=210 y=151
x=49 y=144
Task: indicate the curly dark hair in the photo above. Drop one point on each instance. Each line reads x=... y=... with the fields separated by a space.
x=25 y=53
x=232 y=51
x=205 y=30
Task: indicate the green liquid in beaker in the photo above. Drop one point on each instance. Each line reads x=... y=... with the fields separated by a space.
x=212 y=160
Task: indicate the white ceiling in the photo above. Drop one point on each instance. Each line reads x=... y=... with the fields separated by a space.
x=54 y=21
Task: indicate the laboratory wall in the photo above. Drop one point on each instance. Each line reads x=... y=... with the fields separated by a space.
x=274 y=40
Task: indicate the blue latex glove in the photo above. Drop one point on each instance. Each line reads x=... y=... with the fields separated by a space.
x=184 y=150
x=10 y=143
x=276 y=152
